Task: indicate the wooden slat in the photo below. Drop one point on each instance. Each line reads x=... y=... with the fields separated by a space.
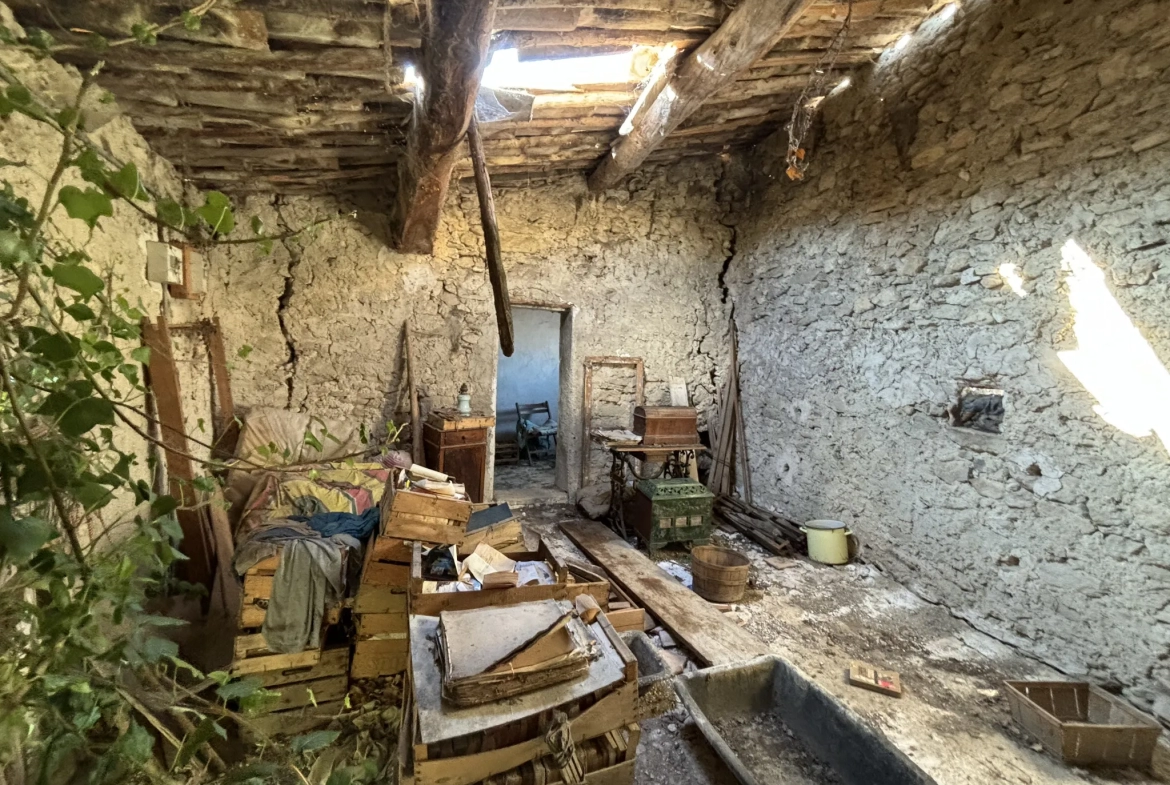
x=692 y=621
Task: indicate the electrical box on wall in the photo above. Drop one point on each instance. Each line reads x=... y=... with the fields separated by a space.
x=178 y=266
x=164 y=262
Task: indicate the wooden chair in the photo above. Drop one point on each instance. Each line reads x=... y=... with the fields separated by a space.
x=528 y=430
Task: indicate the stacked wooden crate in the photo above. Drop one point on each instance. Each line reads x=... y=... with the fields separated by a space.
x=380 y=607
x=311 y=684
x=517 y=750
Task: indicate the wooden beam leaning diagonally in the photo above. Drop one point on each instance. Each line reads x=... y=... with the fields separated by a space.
x=455 y=53
x=491 y=240
x=747 y=34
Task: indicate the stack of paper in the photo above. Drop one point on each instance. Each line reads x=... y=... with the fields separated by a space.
x=493 y=653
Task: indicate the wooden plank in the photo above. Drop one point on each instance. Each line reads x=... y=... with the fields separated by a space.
x=252 y=616
x=378 y=573
x=425 y=504
x=416 y=424
x=392 y=549
x=379 y=599
x=226 y=426
x=294 y=721
x=257 y=587
x=162 y=377
x=491 y=240
x=304 y=693
x=627 y=619
x=747 y=34
x=275 y=662
x=687 y=616
x=333 y=662
x=455 y=52
x=265 y=566
x=371 y=624
x=378 y=658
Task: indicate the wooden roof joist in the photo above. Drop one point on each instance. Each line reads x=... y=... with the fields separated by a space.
x=674 y=94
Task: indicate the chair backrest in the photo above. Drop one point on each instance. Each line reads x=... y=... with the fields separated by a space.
x=524 y=411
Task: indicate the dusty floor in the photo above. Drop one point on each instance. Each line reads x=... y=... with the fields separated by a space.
x=953 y=720
x=523 y=484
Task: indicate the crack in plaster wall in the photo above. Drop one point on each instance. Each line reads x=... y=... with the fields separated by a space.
x=292 y=246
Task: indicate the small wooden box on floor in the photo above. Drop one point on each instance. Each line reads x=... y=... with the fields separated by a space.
x=458 y=446
x=665 y=426
x=324 y=683
x=604 y=733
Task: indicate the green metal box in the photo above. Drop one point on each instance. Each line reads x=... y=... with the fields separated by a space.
x=674 y=510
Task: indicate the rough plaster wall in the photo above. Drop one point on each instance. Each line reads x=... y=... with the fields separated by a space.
x=532 y=373
x=638 y=269
x=118 y=244
x=865 y=293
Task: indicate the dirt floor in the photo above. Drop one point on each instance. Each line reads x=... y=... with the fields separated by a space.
x=519 y=483
x=953 y=719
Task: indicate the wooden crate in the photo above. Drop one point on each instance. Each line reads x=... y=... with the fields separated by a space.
x=597 y=721
x=325 y=682
x=566 y=588
x=257 y=592
x=421 y=516
x=1082 y=724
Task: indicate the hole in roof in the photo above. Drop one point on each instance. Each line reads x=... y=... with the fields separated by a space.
x=507 y=70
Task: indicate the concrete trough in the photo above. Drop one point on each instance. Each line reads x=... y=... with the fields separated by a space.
x=751 y=692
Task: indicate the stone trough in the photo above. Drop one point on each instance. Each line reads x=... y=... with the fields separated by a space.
x=773 y=726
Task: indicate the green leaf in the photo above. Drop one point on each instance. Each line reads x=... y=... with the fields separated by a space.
x=67 y=117
x=242 y=688
x=203 y=732
x=7 y=162
x=217 y=212
x=80 y=279
x=310 y=742
x=85 y=415
x=91 y=166
x=54 y=347
x=192 y=21
x=39 y=38
x=163 y=505
x=156 y=649
x=87 y=205
x=144 y=33
x=244 y=351
x=18 y=94
x=127 y=183
x=314 y=442
x=152 y=620
x=204 y=483
x=136 y=744
x=141 y=355
x=220 y=677
x=261 y=771
x=97 y=43
x=81 y=312
x=15 y=251
x=20 y=539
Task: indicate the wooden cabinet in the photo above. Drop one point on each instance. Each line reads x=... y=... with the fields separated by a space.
x=458 y=446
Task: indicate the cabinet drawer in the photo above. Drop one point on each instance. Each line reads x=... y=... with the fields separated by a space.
x=461 y=438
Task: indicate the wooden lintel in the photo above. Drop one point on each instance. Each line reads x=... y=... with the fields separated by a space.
x=455 y=52
x=748 y=33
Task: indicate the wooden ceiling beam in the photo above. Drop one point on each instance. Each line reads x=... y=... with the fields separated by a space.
x=746 y=35
x=455 y=52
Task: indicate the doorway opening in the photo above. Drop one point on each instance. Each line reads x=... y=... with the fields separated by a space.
x=528 y=408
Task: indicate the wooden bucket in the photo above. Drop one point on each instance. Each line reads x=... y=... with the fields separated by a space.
x=720 y=573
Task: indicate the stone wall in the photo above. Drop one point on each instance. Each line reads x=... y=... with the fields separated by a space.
x=638 y=270
x=118 y=244
x=925 y=252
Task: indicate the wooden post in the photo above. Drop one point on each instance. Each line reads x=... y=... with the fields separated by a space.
x=163 y=380
x=491 y=240
x=416 y=426
x=747 y=34
x=454 y=56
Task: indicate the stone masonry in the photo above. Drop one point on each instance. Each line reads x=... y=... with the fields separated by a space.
x=923 y=254
x=638 y=269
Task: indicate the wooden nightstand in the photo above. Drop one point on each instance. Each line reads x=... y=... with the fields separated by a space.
x=458 y=446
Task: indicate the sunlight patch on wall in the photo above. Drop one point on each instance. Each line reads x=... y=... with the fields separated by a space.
x=1113 y=360
x=507 y=70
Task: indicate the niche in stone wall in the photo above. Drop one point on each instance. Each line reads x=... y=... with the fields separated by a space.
x=978 y=409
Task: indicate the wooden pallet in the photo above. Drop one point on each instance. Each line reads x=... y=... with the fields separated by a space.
x=310 y=693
